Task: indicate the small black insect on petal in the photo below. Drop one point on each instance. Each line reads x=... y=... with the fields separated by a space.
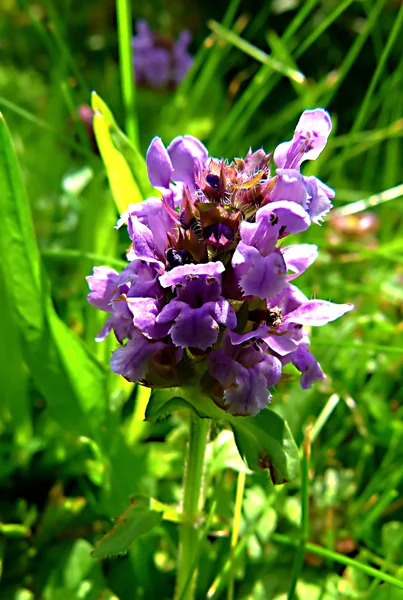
x=213 y=181
x=177 y=258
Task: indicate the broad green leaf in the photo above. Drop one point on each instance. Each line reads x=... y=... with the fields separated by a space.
x=126 y=168
x=19 y=252
x=158 y=407
x=14 y=405
x=137 y=520
x=264 y=442
x=70 y=379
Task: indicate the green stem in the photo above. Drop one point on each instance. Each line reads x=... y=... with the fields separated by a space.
x=192 y=503
x=124 y=20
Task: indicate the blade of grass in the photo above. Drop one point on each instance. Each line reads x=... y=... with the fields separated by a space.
x=281 y=51
x=235 y=530
x=362 y=113
x=25 y=114
x=216 y=55
x=80 y=127
x=298 y=20
x=359 y=121
x=324 y=416
x=375 y=200
x=287 y=114
x=261 y=85
x=254 y=52
x=320 y=29
x=339 y=558
x=73 y=254
x=55 y=29
x=127 y=79
x=364 y=346
x=219 y=582
x=354 y=51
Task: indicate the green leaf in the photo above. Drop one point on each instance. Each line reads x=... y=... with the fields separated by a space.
x=126 y=168
x=71 y=380
x=137 y=520
x=14 y=405
x=265 y=442
x=162 y=404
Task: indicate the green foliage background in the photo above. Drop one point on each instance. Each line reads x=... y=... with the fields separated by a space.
x=73 y=444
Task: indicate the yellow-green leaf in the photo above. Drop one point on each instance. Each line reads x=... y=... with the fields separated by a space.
x=125 y=167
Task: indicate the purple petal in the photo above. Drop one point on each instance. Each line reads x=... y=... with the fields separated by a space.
x=245 y=374
x=262 y=276
x=188 y=156
x=143 y=35
x=288 y=300
x=143 y=242
x=223 y=313
x=290 y=186
x=194 y=327
x=287 y=217
x=145 y=311
x=310 y=137
x=105 y=330
x=298 y=258
x=154 y=215
x=170 y=311
x=180 y=275
x=221 y=367
x=317 y=312
x=271 y=368
x=240 y=338
x=103 y=284
x=159 y=164
x=249 y=394
x=305 y=362
x=140 y=279
x=320 y=196
x=131 y=361
x=183 y=60
x=281 y=344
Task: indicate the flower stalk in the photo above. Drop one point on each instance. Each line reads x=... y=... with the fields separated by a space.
x=192 y=505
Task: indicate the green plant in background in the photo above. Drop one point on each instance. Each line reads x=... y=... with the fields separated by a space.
x=74 y=446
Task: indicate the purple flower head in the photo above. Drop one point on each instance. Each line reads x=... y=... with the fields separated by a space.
x=158 y=60
x=206 y=299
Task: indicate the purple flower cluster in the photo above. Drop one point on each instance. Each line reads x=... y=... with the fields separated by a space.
x=207 y=298
x=158 y=60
